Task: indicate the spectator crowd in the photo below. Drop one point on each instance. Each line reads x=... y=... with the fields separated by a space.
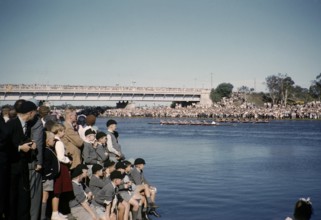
x=226 y=109
x=67 y=168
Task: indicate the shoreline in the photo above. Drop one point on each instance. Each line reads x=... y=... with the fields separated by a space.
x=149 y=117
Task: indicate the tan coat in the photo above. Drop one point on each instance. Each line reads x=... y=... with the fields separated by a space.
x=73 y=143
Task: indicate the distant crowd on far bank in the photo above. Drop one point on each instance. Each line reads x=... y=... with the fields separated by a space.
x=228 y=109
x=225 y=110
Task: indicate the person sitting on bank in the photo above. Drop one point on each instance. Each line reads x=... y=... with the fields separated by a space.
x=101 y=138
x=109 y=167
x=114 y=148
x=135 y=190
x=85 y=181
x=79 y=206
x=92 y=152
x=132 y=198
x=138 y=178
x=105 y=202
x=302 y=210
x=96 y=182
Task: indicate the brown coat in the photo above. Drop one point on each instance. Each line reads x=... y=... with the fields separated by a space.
x=73 y=143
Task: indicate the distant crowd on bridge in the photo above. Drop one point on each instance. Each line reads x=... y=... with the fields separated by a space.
x=44 y=87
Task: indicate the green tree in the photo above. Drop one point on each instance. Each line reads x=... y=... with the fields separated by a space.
x=286 y=86
x=245 y=91
x=173 y=104
x=315 y=88
x=222 y=90
x=279 y=87
x=272 y=83
x=300 y=94
x=215 y=96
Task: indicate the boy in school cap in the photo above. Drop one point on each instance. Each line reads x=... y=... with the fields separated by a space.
x=96 y=182
x=139 y=161
x=89 y=132
x=76 y=172
x=96 y=167
x=120 y=165
x=110 y=122
x=100 y=135
x=139 y=179
x=114 y=148
x=105 y=201
x=79 y=206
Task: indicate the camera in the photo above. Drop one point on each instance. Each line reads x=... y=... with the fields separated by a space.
x=69 y=156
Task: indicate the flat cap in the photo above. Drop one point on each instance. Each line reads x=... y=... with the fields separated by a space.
x=116 y=175
x=76 y=172
x=89 y=131
x=139 y=161
x=110 y=122
x=96 y=167
x=27 y=106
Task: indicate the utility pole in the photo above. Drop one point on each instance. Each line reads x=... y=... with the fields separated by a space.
x=211 y=81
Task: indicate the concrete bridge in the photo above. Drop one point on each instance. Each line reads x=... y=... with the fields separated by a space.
x=13 y=92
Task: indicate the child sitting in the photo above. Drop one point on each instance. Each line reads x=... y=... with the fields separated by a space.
x=79 y=206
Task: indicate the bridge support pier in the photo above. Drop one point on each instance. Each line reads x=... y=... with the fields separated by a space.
x=121 y=104
x=205 y=98
x=183 y=104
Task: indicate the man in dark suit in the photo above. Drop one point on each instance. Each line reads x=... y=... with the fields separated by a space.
x=19 y=148
x=3 y=166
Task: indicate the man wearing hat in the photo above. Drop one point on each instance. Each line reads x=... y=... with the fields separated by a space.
x=79 y=206
x=114 y=148
x=20 y=146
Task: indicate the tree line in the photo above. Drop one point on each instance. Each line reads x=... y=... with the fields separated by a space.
x=281 y=90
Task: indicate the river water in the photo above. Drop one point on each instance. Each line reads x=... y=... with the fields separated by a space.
x=237 y=171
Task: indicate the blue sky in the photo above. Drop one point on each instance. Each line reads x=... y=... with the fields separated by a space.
x=169 y=43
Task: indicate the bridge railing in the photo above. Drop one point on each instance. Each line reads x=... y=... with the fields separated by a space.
x=79 y=88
